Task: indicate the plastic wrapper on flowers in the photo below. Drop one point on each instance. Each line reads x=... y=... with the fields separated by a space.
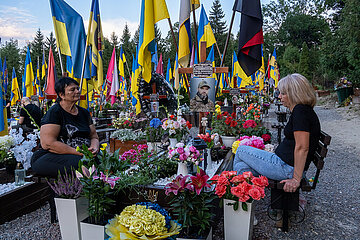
x=145 y=221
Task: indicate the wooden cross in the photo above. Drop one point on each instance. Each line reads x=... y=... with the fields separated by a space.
x=154 y=97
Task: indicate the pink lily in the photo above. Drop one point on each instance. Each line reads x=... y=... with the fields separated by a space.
x=177 y=185
x=200 y=181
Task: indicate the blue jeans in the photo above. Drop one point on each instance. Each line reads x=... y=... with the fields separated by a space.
x=261 y=162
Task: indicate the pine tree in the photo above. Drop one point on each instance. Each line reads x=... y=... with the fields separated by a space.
x=51 y=42
x=218 y=25
x=304 y=64
x=135 y=39
x=37 y=49
x=127 y=45
x=114 y=40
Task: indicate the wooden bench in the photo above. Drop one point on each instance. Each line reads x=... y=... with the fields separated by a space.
x=290 y=201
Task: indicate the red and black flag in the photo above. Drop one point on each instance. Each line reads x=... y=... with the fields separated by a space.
x=251 y=35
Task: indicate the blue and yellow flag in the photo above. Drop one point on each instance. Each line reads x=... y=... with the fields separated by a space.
x=1 y=69
x=15 y=91
x=37 y=82
x=211 y=58
x=184 y=33
x=69 y=67
x=134 y=84
x=29 y=75
x=260 y=74
x=168 y=71
x=176 y=73
x=121 y=66
x=70 y=35
x=152 y=11
x=5 y=77
x=43 y=66
x=274 y=74
x=242 y=79
x=205 y=33
x=95 y=40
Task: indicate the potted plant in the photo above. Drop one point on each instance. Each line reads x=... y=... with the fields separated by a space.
x=251 y=128
x=154 y=133
x=184 y=155
x=70 y=207
x=227 y=126
x=97 y=189
x=6 y=156
x=209 y=140
x=124 y=139
x=191 y=204
x=234 y=189
x=177 y=127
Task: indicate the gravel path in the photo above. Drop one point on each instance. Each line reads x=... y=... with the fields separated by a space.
x=332 y=210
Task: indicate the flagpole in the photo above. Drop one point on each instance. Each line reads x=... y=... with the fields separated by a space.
x=173 y=34
x=195 y=27
x=61 y=65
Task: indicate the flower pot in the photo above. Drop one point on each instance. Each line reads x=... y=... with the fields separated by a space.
x=209 y=237
x=182 y=168
x=154 y=146
x=92 y=231
x=70 y=212
x=208 y=160
x=228 y=140
x=116 y=144
x=173 y=142
x=238 y=225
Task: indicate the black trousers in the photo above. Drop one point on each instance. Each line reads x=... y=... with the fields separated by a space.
x=49 y=164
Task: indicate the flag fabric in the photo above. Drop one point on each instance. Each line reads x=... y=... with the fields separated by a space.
x=69 y=67
x=70 y=35
x=251 y=35
x=29 y=75
x=160 y=66
x=152 y=11
x=15 y=91
x=242 y=79
x=184 y=33
x=43 y=66
x=274 y=70
x=154 y=57
x=196 y=4
x=113 y=76
x=1 y=69
x=2 y=113
x=205 y=33
x=176 y=73
x=211 y=58
x=5 y=77
x=95 y=39
x=260 y=74
x=51 y=75
x=168 y=71
x=135 y=101
x=121 y=66
x=37 y=82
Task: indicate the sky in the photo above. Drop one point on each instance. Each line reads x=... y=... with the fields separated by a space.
x=20 y=19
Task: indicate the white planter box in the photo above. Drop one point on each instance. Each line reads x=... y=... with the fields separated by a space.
x=92 y=231
x=70 y=212
x=228 y=141
x=238 y=225
x=209 y=237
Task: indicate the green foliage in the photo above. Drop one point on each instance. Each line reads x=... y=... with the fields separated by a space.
x=304 y=64
x=128 y=134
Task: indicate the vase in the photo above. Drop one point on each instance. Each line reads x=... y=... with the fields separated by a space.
x=173 y=142
x=154 y=146
x=238 y=225
x=91 y=231
x=228 y=140
x=208 y=237
x=182 y=169
x=70 y=212
x=208 y=160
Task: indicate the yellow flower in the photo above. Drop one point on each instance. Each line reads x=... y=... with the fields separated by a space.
x=235 y=146
x=103 y=146
x=78 y=149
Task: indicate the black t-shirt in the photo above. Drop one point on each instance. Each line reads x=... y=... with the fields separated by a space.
x=35 y=113
x=302 y=118
x=75 y=129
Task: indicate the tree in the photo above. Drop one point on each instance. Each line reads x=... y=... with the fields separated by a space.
x=289 y=62
x=218 y=25
x=37 y=49
x=127 y=46
x=304 y=64
x=135 y=40
x=114 y=40
x=51 y=42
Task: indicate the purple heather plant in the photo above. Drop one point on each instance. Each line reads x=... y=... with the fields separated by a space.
x=66 y=186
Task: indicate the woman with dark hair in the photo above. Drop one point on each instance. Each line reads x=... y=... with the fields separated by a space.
x=64 y=127
x=294 y=154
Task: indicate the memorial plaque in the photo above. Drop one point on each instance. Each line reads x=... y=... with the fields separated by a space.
x=203 y=70
x=154 y=97
x=234 y=91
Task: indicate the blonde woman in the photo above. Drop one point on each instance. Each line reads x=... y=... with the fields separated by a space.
x=293 y=155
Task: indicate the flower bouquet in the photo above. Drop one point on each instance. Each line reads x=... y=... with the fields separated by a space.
x=208 y=139
x=191 y=204
x=254 y=141
x=123 y=123
x=225 y=124
x=177 y=127
x=182 y=153
x=251 y=128
x=154 y=131
x=253 y=112
x=239 y=187
x=142 y=221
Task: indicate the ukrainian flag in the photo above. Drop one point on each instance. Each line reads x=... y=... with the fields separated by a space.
x=122 y=60
x=37 y=82
x=152 y=11
x=69 y=67
x=184 y=34
x=96 y=39
x=176 y=73
x=134 y=85
x=43 y=66
x=260 y=74
x=5 y=77
x=211 y=58
x=242 y=79
x=28 y=75
x=70 y=35
x=168 y=71
x=1 y=69
x=15 y=91
x=274 y=70
x=205 y=32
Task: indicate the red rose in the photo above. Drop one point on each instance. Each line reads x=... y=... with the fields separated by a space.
x=266 y=137
x=255 y=193
x=220 y=190
x=233 y=123
x=247 y=174
x=233 y=114
x=237 y=191
x=237 y=179
x=228 y=120
x=228 y=174
x=226 y=113
x=244 y=198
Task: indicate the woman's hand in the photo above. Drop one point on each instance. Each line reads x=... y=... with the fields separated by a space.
x=290 y=185
x=94 y=150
